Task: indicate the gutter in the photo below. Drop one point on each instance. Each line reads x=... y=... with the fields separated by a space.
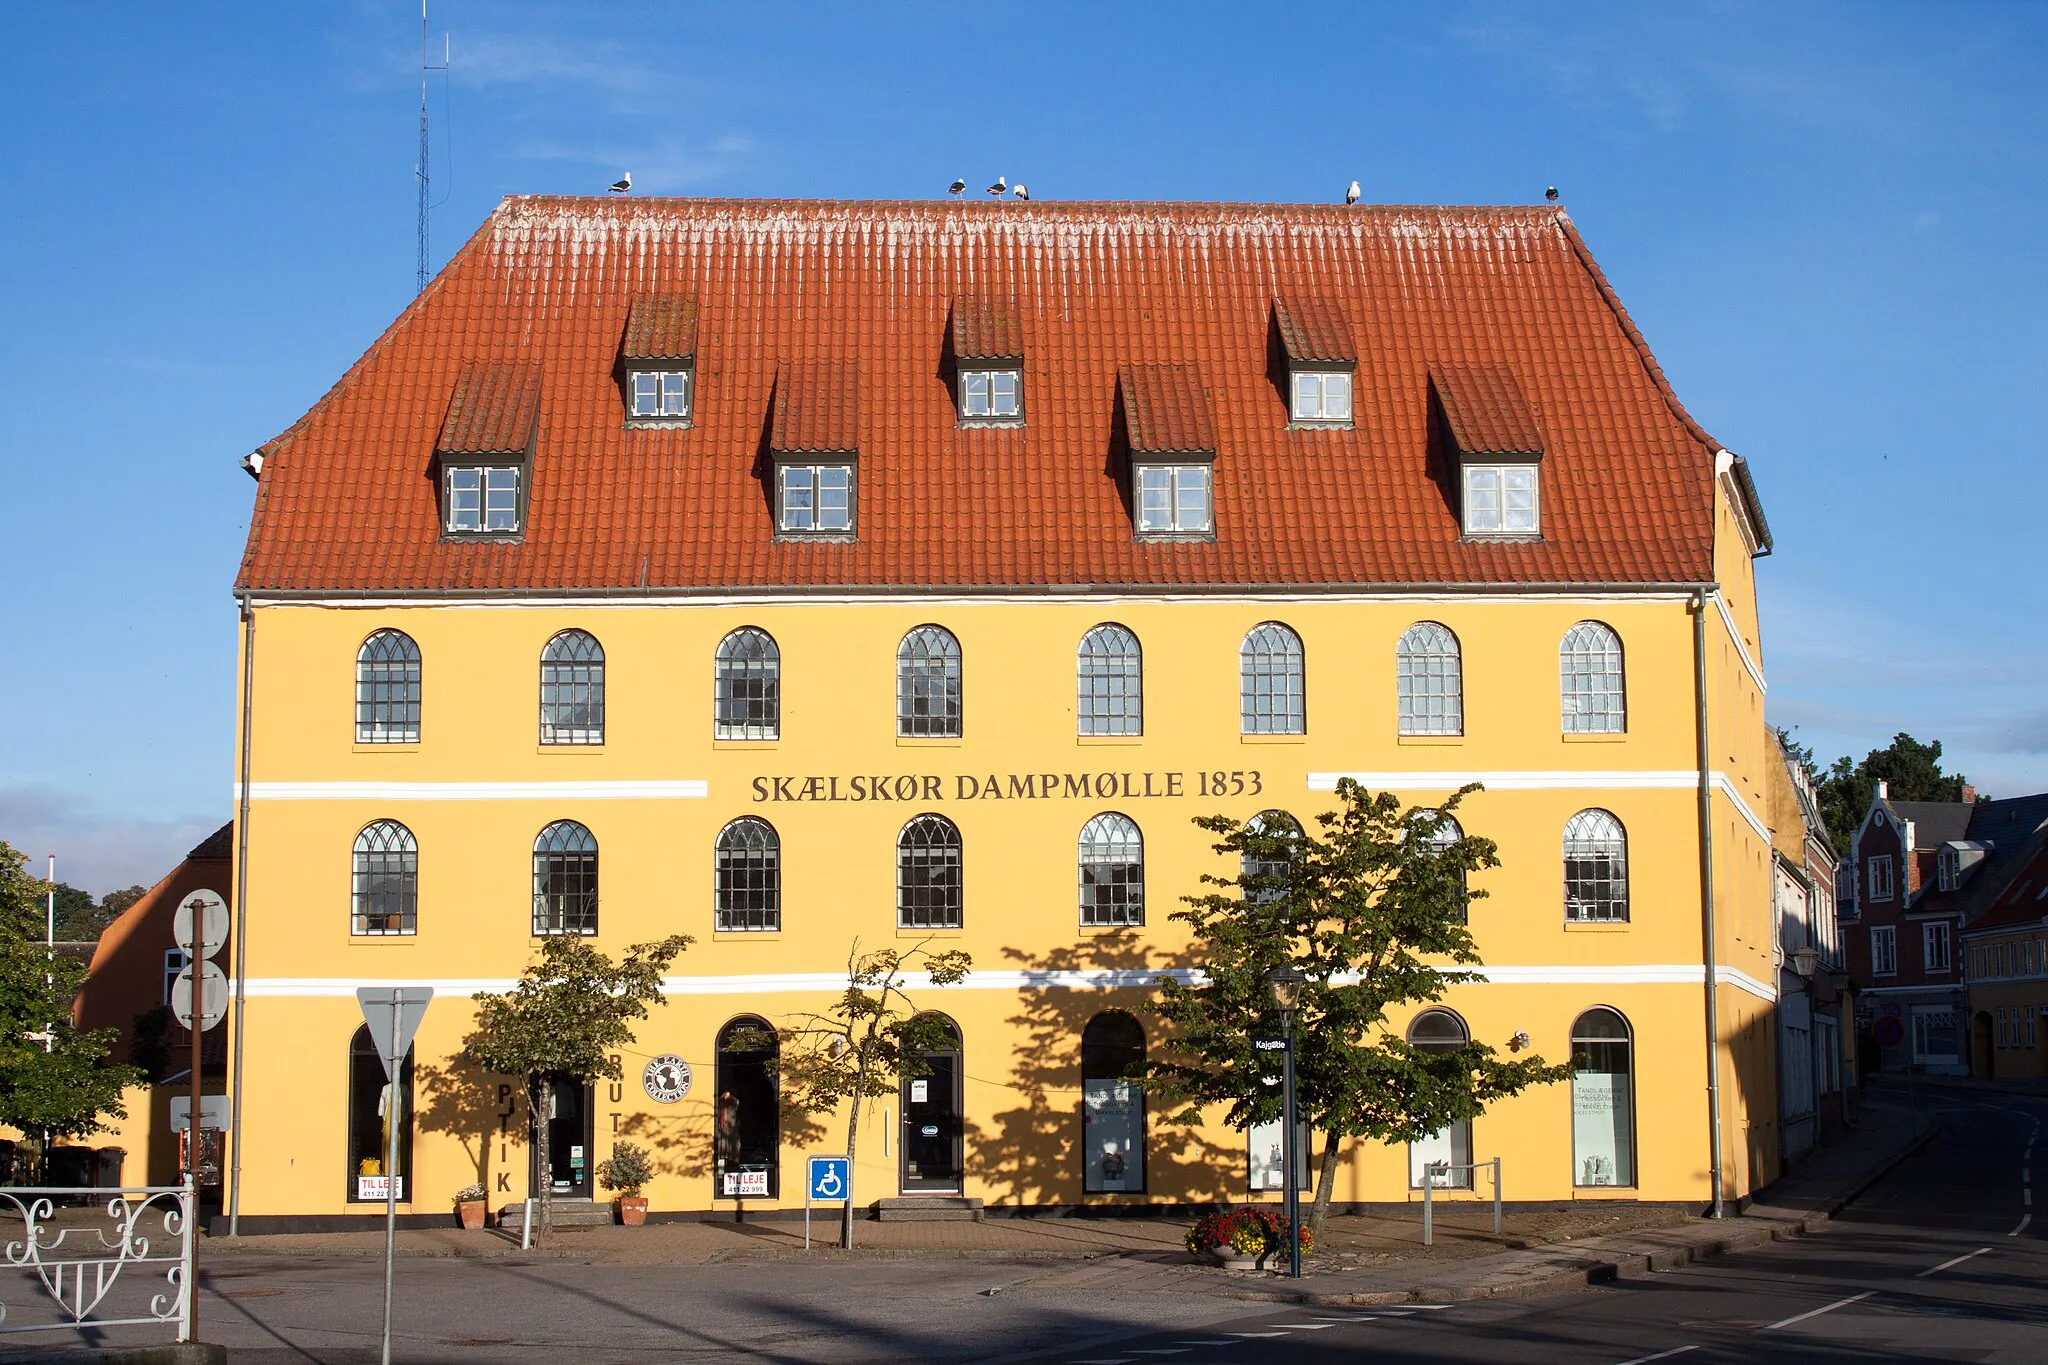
x=1707 y=934
x=241 y=930
x=879 y=590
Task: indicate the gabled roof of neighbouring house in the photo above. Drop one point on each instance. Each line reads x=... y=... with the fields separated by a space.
x=539 y=310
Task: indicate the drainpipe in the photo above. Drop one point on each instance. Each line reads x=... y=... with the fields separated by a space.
x=241 y=930
x=1706 y=800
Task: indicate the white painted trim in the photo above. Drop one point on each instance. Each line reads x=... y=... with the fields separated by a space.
x=1654 y=779
x=1756 y=673
x=683 y=790
x=779 y=983
x=791 y=598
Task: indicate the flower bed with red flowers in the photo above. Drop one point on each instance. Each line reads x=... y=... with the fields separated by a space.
x=1250 y=1230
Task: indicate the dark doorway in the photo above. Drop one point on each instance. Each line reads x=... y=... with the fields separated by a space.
x=931 y=1122
x=747 y=1146
x=569 y=1137
x=1983 y=1058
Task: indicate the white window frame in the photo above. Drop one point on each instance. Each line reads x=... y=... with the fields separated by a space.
x=175 y=960
x=1884 y=950
x=1319 y=397
x=496 y=496
x=662 y=395
x=981 y=396
x=1175 y=482
x=1879 y=875
x=1935 y=934
x=1489 y=492
x=817 y=523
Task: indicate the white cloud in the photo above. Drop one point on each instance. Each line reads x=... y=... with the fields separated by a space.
x=96 y=852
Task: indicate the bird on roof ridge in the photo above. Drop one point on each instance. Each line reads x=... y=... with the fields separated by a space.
x=959 y=186
x=1351 y=195
x=1550 y=193
x=1002 y=183
x=1021 y=192
x=623 y=185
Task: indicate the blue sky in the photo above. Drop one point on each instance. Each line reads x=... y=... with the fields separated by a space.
x=1828 y=219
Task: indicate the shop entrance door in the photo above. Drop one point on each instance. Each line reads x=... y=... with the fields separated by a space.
x=569 y=1138
x=931 y=1124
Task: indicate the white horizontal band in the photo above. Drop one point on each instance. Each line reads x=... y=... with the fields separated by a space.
x=691 y=788
x=1664 y=779
x=629 y=599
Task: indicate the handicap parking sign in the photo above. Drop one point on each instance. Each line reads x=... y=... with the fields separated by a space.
x=831 y=1177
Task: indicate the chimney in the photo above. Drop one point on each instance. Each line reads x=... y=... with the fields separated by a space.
x=1884 y=790
x=1969 y=795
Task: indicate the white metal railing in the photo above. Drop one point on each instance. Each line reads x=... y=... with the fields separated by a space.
x=1430 y=1181
x=78 y=1258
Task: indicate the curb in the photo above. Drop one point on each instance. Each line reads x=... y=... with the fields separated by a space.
x=1622 y=1265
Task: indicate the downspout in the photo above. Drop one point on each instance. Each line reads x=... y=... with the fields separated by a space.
x=1706 y=799
x=241 y=922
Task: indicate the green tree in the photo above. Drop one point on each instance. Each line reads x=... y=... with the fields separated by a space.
x=1911 y=770
x=568 y=1014
x=1366 y=911
x=55 y=1078
x=869 y=1043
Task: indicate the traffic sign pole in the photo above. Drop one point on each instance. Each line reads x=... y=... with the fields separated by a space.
x=392 y=1014
x=198 y=1027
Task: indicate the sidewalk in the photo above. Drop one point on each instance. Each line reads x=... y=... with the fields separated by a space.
x=1365 y=1258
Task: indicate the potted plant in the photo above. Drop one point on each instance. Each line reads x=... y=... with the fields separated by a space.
x=626 y=1172
x=1242 y=1238
x=469 y=1206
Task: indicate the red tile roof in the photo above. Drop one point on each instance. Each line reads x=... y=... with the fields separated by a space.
x=817 y=408
x=1313 y=331
x=1485 y=408
x=1166 y=409
x=550 y=283
x=661 y=327
x=492 y=409
x=987 y=329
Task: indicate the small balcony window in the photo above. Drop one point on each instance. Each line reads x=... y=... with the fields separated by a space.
x=814 y=499
x=483 y=499
x=662 y=394
x=1175 y=500
x=1322 y=396
x=991 y=395
x=1501 y=500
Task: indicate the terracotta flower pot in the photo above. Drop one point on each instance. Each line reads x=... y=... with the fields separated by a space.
x=632 y=1210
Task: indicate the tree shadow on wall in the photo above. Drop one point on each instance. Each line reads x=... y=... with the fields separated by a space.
x=477 y=1108
x=1034 y=1155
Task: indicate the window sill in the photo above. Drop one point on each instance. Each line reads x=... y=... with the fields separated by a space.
x=1311 y=424
x=955 y=932
x=410 y=748
x=1111 y=931
x=659 y=423
x=816 y=538
x=1174 y=537
x=930 y=741
x=1615 y=1192
x=364 y=940
x=568 y=748
x=1108 y=741
x=1593 y=736
x=483 y=537
x=1429 y=739
x=1594 y=926
x=981 y=423
x=745 y=743
x=733 y=935
x=1501 y=538
x=1273 y=739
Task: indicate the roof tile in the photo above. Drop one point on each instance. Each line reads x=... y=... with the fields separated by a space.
x=817 y=408
x=1166 y=410
x=1485 y=408
x=661 y=327
x=492 y=410
x=1313 y=331
x=987 y=329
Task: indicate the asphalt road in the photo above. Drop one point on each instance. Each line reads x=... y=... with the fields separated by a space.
x=1945 y=1259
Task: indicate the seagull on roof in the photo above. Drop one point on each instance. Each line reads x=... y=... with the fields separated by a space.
x=623 y=185
x=1550 y=193
x=1021 y=192
x=1351 y=195
x=1002 y=183
x=959 y=186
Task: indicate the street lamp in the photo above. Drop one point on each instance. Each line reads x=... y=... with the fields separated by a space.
x=1283 y=984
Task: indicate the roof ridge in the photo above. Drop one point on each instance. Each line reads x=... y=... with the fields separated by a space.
x=1535 y=212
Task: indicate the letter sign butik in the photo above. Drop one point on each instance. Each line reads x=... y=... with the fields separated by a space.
x=667 y=1078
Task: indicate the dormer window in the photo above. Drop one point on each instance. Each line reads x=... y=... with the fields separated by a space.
x=1175 y=500
x=814 y=499
x=813 y=449
x=1315 y=342
x=1163 y=415
x=658 y=360
x=985 y=344
x=485 y=448
x=1322 y=396
x=1487 y=432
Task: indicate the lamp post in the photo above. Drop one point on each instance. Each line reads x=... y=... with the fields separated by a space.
x=1283 y=984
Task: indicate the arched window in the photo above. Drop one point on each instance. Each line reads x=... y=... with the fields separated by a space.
x=1263 y=871
x=387 y=880
x=373 y=1102
x=565 y=880
x=747 y=1146
x=1595 y=867
x=748 y=891
x=928 y=684
x=1431 y=681
x=1271 y=688
x=1112 y=1104
x=1439 y=1030
x=932 y=1126
x=1112 y=871
x=1589 y=680
x=1110 y=683
x=749 y=686
x=928 y=880
x=388 y=689
x=1448 y=832
x=1603 y=1100
x=572 y=689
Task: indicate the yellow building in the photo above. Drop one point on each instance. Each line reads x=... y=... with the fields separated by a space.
x=804 y=575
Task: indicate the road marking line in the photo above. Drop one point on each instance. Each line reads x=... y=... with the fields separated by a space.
x=1936 y=1270
x=1661 y=1355
x=1307 y=1326
x=1106 y=1360
x=1258 y=1334
x=2027 y=1198
x=2025 y=1219
x=2026 y=1176
x=1829 y=1308
x=1162 y=1351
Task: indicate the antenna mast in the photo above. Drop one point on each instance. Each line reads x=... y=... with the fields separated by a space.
x=420 y=172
